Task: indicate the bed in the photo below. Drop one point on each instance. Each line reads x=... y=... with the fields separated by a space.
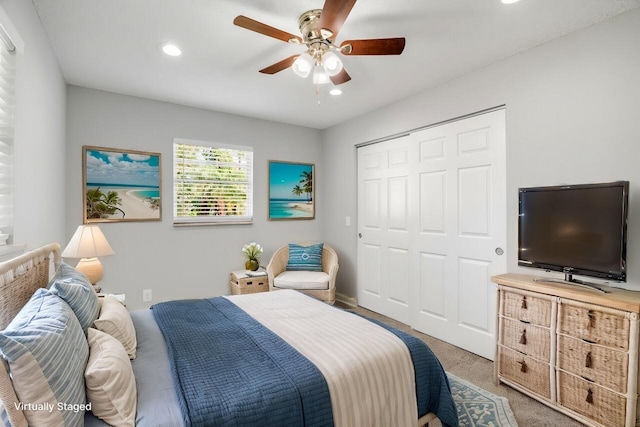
x=277 y=358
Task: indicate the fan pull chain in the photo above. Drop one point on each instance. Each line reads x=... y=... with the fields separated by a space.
x=318 y=93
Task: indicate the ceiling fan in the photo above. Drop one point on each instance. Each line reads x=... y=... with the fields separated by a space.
x=319 y=29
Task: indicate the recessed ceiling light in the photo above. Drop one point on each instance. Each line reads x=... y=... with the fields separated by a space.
x=335 y=92
x=171 y=49
x=509 y=1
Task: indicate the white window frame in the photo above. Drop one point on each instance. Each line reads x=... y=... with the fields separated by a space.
x=212 y=219
x=7 y=105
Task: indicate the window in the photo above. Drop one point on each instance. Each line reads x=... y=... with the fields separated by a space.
x=7 y=86
x=212 y=183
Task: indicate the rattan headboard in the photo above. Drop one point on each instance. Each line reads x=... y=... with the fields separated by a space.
x=19 y=279
x=21 y=276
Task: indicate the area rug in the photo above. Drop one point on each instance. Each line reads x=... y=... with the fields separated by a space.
x=479 y=408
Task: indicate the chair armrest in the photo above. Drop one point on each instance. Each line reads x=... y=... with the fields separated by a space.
x=277 y=264
x=333 y=272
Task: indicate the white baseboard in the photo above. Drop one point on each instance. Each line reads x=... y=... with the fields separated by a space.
x=351 y=302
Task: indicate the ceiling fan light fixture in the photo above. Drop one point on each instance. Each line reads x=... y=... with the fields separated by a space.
x=320 y=77
x=303 y=65
x=331 y=63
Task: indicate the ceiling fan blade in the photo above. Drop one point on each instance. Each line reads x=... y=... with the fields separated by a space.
x=334 y=13
x=393 y=46
x=279 y=66
x=259 y=27
x=341 y=77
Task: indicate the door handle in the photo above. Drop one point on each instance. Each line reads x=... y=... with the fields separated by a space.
x=499 y=251
x=360 y=235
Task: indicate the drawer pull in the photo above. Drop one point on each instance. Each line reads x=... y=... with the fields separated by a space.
x=523 y=366
x=589 y=396
x=588 y=363
x=592 y=320
x=524 y=302
x=523 y=337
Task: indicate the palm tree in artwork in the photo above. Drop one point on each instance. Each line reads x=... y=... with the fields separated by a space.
x=307 y=183
x=102 y=205
x=297 y=190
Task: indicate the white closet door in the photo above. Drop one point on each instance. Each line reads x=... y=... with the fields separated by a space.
x=460 y=237
x=383 y=226
x=432 y=216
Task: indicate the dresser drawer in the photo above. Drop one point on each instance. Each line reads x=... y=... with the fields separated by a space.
x=526 y=338
x=591 y=400
x=525 y=370
x=606 y=327
x=526 y=307
x=601 y=365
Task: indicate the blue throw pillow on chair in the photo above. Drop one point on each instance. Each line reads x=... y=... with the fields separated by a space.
x=305 y=258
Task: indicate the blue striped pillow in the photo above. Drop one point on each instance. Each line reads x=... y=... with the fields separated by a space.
x=74 y=288
x=47 y=353
x=305 y=258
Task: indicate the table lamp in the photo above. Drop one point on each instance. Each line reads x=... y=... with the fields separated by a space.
x=88 y=243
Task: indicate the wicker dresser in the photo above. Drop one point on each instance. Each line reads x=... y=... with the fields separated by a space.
x=573 y=349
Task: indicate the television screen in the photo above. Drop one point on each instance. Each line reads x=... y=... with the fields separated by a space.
x=577 y=229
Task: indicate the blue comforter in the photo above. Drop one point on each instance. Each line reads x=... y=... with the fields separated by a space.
x=229 y=370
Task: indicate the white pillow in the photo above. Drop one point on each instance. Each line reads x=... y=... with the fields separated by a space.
x=111 y=386
x=115 y=320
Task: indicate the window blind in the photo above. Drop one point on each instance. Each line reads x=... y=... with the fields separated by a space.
x=7 y=102
x=213 y=183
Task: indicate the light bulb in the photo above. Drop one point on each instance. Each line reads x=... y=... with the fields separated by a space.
x=320 y=77
x=303 y=65
x=331 y=63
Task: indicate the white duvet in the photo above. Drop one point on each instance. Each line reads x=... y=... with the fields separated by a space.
x=368 y=369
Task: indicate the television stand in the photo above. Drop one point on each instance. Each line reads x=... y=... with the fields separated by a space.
x=569 y=280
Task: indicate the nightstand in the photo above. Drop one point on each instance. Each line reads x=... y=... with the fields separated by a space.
x=242 y=283
x=120 y=297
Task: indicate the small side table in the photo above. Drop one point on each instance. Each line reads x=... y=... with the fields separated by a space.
x=122 y=298
x=242 y=284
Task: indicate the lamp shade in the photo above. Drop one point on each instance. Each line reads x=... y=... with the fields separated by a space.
x=303 y=65
x=331 y=63
x=320 y=77
x=87 y=242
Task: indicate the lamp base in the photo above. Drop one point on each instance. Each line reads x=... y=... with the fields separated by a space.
x=92 y=268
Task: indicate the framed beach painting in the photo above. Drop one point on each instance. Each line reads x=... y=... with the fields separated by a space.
x=291 y=190
x=120 y=185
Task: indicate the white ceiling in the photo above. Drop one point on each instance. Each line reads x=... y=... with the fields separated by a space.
x=112 y=45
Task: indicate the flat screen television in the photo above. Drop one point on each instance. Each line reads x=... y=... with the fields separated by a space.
x=575 y=229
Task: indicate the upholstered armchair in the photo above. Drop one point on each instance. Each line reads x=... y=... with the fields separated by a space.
x=318 y=284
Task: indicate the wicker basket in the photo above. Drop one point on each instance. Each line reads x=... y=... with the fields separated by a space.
x=242 y=284
x=595 y=402
x=599 y=364
x=528 y=339
x=526 y=371
x=523 y=306
x=606 y=327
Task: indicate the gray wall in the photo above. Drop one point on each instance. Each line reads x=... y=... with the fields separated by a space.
x=572 y=117
x=180 y=262
x=39 y=161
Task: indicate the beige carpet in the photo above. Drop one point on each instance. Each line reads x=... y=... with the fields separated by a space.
x=479 y=371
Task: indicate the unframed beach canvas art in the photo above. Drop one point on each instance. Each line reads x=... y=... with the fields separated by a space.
x=291 y=190
x=121 y=185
